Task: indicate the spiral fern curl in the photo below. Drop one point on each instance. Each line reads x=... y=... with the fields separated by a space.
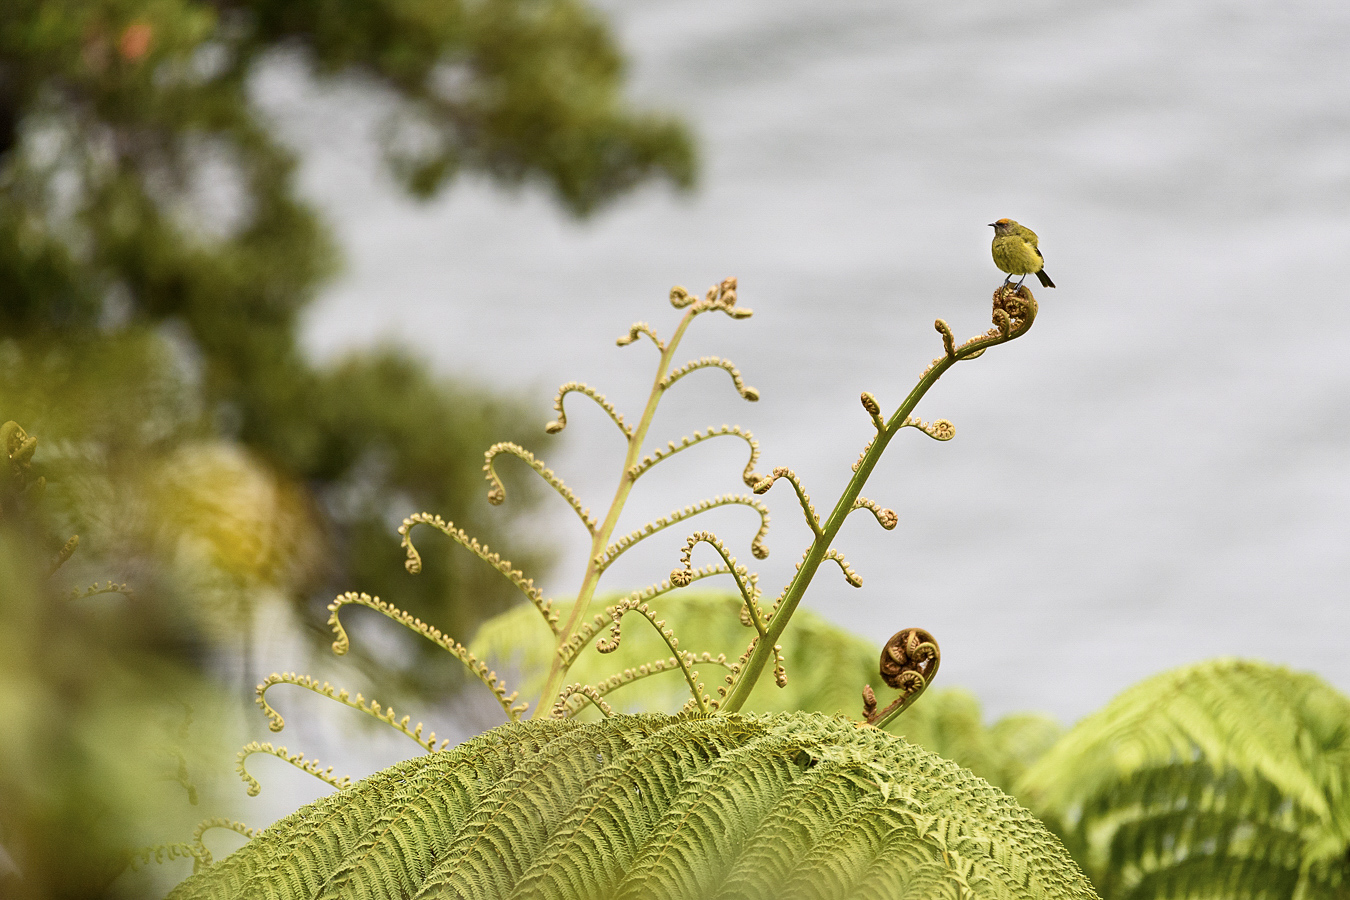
x=1222 y=779
x=658 y=808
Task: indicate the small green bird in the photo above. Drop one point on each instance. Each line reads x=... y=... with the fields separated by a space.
x=1016 y=252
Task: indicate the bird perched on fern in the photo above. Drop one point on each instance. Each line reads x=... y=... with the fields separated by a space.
x=1016 y=252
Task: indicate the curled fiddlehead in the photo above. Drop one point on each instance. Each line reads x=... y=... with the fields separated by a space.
x=909 y=662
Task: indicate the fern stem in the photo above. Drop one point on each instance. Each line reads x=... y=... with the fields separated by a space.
x=1004 y=331
x=601 y=539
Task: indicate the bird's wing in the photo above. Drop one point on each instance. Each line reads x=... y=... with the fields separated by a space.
x=1039 y=254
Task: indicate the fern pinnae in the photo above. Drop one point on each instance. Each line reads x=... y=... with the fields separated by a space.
x=562 y=707
x=371 y=708
x=850 y=576
x=162 y=853
x=938 y=429
x=296 y=759
x=578 y=387
x=748 y=474
x=745 y=583
x=808 y=510
x=497 y=492
x=95 y=590
x=873 y=408
x=341 y=643
x=205 y=825
x=637 y=329
x=885 y=517
x=682 y=658
x=706 y=362
x=646 y=670
x=567 y=652
x=526 y=585
x=758 y=548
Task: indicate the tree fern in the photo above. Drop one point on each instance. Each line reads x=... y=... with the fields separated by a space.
x=1222 y=779
x=728 y=806
x=712 y=803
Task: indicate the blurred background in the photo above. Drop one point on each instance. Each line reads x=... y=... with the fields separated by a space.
x=273 y=275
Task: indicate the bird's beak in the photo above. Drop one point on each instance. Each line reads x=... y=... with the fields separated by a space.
x=993 y=224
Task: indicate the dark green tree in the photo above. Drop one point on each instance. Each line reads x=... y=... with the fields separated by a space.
x=115 y=115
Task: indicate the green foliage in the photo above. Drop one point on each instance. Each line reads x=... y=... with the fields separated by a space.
x=655 y=807
x=108 y=727
x=1224 y=778
x=826 y=667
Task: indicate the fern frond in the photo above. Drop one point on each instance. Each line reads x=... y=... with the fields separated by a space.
x=712 y=362
x=1204 y=772
x=162 y=853
x=588 y=630
x=659 y=808
x=577 y=387
x=199 y=847
x=808 y=510
x=640 y=328
x=886 y=518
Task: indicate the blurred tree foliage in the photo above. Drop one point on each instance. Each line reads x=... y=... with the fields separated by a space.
x=110 y=731
x=145 y=202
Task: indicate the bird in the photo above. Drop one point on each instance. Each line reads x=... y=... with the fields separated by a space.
x=1016 y=252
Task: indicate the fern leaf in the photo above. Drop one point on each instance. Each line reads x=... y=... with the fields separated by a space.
x=652 y=806
x=1222 y=779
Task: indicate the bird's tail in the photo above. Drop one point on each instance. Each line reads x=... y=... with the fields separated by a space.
x=1045 y=279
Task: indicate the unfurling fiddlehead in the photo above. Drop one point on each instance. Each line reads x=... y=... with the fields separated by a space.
x=909 y=662
x=758 y=548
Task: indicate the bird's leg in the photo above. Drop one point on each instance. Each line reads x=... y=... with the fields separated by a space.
x=1008 y=279
x=1019 y=283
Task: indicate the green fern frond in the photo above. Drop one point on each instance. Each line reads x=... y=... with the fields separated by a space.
x=658 y=808
x=1224 y=779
